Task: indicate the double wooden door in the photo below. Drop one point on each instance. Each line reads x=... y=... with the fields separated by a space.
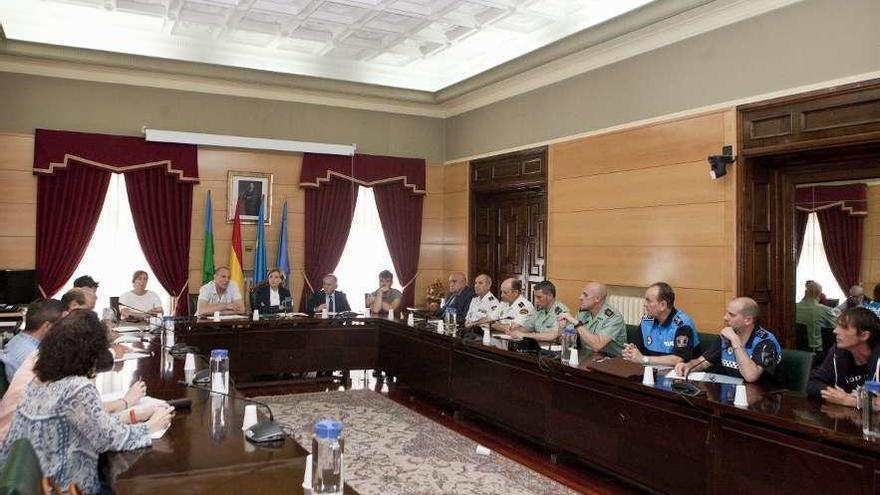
x=509 y=237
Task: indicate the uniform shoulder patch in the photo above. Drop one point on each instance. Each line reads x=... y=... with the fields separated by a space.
x=609 y=312
x=523 y=311
x=521 y=304
x=490 y=298
x=761 y=333
x=558 y=310
x=677 y=320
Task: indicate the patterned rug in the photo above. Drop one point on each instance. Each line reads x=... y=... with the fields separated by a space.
x=391 y=450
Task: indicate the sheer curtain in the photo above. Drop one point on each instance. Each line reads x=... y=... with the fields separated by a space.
x=813 y=263
x=365 y=254
x=114 y=252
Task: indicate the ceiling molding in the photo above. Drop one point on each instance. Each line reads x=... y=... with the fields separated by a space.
x=668 y=22
x=679 y=27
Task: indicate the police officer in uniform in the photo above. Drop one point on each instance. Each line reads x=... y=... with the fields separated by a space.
x=543 y=327
x=484 y=307
x=600 y=327
x=745 y=350
x=669 y=335
x=515 y=309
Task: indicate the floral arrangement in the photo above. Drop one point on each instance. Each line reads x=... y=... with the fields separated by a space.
x=435 y=292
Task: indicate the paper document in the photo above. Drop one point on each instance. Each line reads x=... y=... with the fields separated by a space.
x=127 y=329
x=131 y=355
x=701 y=376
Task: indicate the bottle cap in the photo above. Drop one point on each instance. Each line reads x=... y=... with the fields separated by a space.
x=219 y=353
x=328 y=429
x=872 y=386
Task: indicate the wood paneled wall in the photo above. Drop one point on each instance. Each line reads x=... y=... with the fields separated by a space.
x=871 y=247
x=444 y=226
x=634 y=207
x=18 y=202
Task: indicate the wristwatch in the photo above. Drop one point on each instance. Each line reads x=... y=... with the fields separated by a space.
x=645 y=361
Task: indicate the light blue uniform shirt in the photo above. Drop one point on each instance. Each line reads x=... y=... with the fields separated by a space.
x=17 y=350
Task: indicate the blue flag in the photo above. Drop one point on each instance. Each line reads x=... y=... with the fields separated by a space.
x=260 y=251
x=281 y=259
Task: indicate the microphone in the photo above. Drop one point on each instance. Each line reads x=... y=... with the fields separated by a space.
x=260 y=432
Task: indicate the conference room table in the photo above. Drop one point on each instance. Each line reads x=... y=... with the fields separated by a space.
x=205 y=450
x=598 y=412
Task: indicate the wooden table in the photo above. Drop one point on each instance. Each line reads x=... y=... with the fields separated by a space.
x=654 y=438
x=204 y=451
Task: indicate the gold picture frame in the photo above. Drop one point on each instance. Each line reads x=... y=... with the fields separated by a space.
x=250 y=187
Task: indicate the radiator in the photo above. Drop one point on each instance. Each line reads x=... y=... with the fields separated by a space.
x=632 y=308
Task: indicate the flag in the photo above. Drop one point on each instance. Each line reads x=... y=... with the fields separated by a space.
x=260 y=250
x=281 y=260
x=235 y=272
x=208 y=254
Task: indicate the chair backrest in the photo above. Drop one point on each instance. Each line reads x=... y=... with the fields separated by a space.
x=634 y=334
x=828 y=339
x=708 y=340
x=21 y=474
x=793 y=372
x=801 y=340
x=193 y=304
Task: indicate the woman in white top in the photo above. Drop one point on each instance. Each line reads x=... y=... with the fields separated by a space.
x=146 y=303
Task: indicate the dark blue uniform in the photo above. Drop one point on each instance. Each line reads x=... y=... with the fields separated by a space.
x=677 y=335
x=762 y=347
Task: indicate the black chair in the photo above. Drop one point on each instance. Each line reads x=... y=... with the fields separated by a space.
x=193 y=304
x=801 y=339
x=793 y=372
x=708 y=341
x=828 y=339
x=634 y=334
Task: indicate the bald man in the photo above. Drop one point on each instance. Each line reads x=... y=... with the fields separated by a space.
x=459 y=297
x=745 y=350
x=484 y=307
x=601 y=328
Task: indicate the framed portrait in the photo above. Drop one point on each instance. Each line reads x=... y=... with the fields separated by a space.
x=249 y=187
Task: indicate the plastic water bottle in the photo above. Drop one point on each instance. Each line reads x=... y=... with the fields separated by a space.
x=450 y=320
x=327 y=450
x=870 y=400
x=168 y=323
x=569 y=342
x=220 y=370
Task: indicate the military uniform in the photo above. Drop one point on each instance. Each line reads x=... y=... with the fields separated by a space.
x=676 y=335
x=608 y=322
x=487 y=306
x=519 y=312
x=762 y=347
x=545 y=319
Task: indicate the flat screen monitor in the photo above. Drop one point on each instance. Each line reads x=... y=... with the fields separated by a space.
x=18 y=286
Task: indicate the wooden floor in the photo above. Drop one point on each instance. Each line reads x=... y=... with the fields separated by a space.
x=576 y=476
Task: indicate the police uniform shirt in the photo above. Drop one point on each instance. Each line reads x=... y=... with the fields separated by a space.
x=519 y=312
x=677 y=335
x=608 y=322
x=487 y=306
x=762 y=347
x=545 y=319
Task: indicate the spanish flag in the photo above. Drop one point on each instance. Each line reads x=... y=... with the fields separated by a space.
x=235 y=258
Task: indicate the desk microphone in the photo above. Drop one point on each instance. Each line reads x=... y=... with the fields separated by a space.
x=259 y=433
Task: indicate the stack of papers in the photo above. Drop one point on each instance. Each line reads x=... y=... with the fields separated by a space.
x=132 y=355
x=701 y=376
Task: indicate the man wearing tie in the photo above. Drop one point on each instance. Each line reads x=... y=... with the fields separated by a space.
x=459 y=297
x=328 y=297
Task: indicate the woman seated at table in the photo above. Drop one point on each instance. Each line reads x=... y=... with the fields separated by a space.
x=61 y=413
x=141 y=303
x=850 y=361
x=270 y=295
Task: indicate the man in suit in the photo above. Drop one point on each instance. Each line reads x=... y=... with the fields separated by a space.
x=459 y=297
x=334 y=300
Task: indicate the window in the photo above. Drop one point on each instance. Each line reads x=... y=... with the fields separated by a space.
x=813 y=264
x=365 y=254
x=114 y=252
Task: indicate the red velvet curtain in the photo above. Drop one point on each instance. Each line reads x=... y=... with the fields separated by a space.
x=841 y=211
x=330 y=183
x=161 y=207
x=800 y=231
x=328 y=213
x=73 y=171
x=842 y=236
x=68 y=206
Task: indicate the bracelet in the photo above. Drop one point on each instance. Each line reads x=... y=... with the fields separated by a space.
x=124 y=402
x=132 y=416
x=579 y=324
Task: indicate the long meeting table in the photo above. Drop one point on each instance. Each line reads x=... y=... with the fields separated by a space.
x=649 y=436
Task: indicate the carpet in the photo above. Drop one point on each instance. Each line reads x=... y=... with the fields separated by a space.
x=392 y=450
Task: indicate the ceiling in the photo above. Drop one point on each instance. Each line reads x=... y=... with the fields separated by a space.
x=423 y=45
